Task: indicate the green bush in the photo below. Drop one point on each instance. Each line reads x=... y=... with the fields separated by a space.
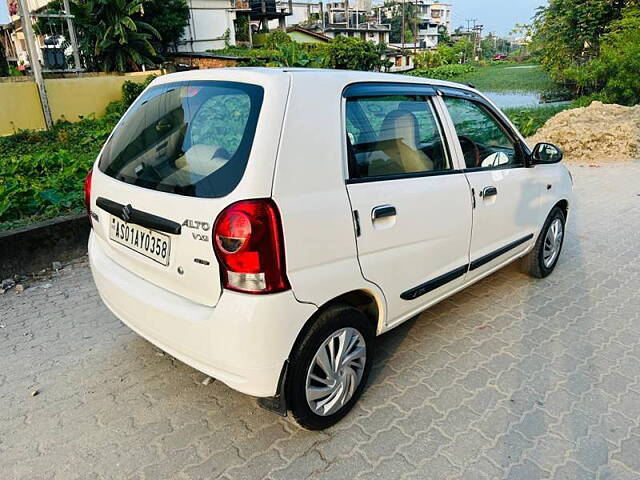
x=444 y=72
x=593 y=46
x=276 y=39
x=616 y=69
x=132 y=90
x=444 y=55
x=350 y=53
x=587 y=100
x=530 y=120
x=42 y=172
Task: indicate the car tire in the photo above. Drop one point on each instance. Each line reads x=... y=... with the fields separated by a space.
x=339 y=328
x=542 y=260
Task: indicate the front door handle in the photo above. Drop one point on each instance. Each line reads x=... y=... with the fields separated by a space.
x=383 y=211
x=489 y=192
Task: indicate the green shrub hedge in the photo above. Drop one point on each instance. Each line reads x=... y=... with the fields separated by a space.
x=42 y=172
x=444 y=72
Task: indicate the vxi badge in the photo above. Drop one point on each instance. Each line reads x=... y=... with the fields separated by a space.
x=198 y=225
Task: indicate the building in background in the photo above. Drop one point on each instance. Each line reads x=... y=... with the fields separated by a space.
x=347 y=19
x=303 y=35
x=302 y=13
x=432 y=17
x=211 y=25
x=13 y=36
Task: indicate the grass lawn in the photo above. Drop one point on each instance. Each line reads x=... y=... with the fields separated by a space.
x=509 y=78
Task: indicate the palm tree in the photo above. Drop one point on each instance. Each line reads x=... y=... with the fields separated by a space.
x=111 y=33
x=117 y=36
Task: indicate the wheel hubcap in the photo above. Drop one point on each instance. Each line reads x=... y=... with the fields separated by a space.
x=336 y=371
x=552 y=242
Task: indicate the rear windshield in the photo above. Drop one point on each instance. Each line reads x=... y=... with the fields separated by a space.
x=189 y=138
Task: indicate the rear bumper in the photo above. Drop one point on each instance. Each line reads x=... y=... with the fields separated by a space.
x=243 y=341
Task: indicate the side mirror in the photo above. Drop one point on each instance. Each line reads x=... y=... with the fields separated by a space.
x=545 y=153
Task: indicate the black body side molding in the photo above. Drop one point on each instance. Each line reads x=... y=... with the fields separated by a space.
x=497 y=253
x=433 y=284
x=459 y=272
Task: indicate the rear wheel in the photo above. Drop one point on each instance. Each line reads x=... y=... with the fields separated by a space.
x=329 y=367
x=542 y=260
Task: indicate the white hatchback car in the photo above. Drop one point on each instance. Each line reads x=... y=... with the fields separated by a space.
x=264 y=225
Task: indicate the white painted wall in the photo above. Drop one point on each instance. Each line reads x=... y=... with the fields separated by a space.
x=208 y=22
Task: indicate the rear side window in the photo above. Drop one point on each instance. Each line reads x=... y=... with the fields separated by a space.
x=189 y=138
x=394 y=135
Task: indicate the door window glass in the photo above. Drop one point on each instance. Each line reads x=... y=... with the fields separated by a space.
x=484 y=141
x=394 y=135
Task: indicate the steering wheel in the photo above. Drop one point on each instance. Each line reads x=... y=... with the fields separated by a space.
x=470 y=143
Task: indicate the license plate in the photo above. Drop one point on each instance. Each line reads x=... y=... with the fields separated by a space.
x=151 y=244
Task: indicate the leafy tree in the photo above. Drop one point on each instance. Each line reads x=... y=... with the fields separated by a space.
x=444 y=55
x=615 y=71
x=569 y=32
x=121 y=41
x=242 y=27
x=350 y=53
x=463 y=50
x=121 y=35
x=593 y=45
x=444 y=37
x=395 y=21
x=169 y=18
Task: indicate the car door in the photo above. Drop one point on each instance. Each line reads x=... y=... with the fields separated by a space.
x=410 y=200
x=506 y=194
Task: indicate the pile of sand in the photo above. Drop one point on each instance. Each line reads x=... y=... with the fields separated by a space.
x=594 y=134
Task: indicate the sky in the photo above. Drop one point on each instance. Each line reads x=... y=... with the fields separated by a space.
x=496 y=15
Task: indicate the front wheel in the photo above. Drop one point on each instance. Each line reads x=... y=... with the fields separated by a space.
x=542 y=260
x=329 y=367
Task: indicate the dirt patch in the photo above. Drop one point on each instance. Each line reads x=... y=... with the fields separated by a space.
x=597 y=133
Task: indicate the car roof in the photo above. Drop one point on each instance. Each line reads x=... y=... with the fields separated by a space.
x=325 y=78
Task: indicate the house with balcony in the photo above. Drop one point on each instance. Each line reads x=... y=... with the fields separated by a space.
x=302 y=13
x=333 y=19
x=13 y=36
x=343 y=19
x=432 y=16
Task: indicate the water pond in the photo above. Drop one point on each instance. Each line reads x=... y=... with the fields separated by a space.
x=523 y=99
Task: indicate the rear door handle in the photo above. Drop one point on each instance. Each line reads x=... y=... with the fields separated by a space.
x=489 y=192
x=383 y=211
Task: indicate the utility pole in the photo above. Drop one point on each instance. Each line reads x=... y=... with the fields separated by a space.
x=72 y=35
x=402 y=31
x=27 y=30
x=416 y=28
x=469 y=21
x=479 y=27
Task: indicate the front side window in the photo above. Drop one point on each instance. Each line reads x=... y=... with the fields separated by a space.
x=484 y=141
x=189 y=138
x=394 y=135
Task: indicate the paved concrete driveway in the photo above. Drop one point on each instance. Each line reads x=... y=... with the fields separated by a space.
x=514 y=378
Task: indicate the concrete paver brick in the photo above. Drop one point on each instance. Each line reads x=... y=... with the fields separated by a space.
x=512 y=378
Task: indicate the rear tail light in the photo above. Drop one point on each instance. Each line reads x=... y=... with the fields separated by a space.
x=87 y=192
x=249 y=245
